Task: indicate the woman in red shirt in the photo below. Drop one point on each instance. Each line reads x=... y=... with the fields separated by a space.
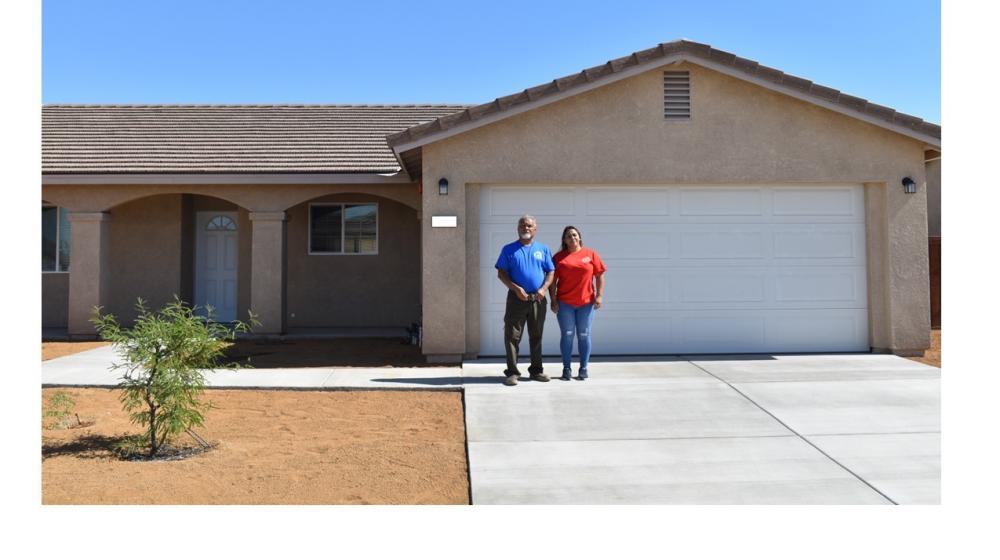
x=574 y=298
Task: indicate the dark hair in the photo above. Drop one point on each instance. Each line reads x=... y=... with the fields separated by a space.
x=565 y=231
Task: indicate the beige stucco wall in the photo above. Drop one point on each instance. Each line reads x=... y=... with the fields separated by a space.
x=739 y=133
x=933 y=171
x=145 y=254
x=380 y=290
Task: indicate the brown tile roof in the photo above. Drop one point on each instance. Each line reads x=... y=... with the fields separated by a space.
x=689 y=50
x=97 y=139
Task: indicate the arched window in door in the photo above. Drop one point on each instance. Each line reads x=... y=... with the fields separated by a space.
x=221 y=223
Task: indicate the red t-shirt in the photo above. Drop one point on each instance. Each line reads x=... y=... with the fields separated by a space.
x=575 y=274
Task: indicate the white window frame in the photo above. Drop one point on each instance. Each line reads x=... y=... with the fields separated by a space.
x=58 y=239
x=343 y=230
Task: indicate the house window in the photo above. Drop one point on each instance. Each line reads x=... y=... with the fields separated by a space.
x=55 y=239
x=343 y=229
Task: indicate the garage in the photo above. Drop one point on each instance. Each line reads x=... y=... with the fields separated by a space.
x=698 y=268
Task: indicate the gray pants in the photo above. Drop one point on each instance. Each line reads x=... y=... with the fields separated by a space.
x=516 y=315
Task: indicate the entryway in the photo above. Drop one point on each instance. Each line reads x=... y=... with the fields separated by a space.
x=216 y=263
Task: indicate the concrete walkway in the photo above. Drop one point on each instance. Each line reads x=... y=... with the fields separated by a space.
x=91 y=368
x=816 y=429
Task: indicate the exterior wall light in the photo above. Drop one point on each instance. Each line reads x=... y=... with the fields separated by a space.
x=443 y=186
x=909 y=186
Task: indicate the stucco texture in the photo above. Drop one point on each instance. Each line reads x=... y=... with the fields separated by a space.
x=739 y=133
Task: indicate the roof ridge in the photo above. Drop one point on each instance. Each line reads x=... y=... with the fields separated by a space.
x=248 y=105
x=695 y=50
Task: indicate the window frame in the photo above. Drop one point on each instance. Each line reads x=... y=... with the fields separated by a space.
x=58 y=239
x=343 y=229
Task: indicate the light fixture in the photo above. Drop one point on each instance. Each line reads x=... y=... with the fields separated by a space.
x=909 y=186
x=443 y=186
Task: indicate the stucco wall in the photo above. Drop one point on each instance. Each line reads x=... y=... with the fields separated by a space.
x=933 y=171
x=55 y=299
x=739 y=133
x=355 y=290
x=145 y=254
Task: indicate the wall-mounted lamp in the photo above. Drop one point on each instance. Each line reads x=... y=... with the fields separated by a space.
x=443 y=186
x=909 y=186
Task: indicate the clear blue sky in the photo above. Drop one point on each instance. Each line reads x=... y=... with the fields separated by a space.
x=307 y=51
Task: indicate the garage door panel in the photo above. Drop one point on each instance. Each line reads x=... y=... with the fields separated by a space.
x=625 y=201
x=818 y=244
x=514 y=202
x=843 y=286
x=742 y=287
x=719 y=244
x=845 y=202
x=713 y=269
x=842 y=330
x=721 y=201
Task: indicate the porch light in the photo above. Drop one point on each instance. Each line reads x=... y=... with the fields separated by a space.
x=443 y=186
x=909 y=186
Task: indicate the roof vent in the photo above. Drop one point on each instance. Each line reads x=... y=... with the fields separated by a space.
x=677 y=95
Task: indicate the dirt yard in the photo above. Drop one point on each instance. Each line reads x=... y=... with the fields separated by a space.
x=932 y=356
x=274 y=447
x=52 y=350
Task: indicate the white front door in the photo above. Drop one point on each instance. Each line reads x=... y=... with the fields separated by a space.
x=216 y=259
x=698 y=268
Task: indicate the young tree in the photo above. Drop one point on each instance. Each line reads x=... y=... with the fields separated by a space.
x=163 y=354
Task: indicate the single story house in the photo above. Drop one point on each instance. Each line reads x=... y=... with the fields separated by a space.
x=738 y=208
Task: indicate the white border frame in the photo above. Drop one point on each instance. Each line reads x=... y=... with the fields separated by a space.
x=58 y=234
x=343 y=231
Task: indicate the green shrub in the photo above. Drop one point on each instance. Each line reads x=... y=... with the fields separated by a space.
x=163 y=353
x=59 y=407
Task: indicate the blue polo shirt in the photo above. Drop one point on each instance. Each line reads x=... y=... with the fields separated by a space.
x=526 y=264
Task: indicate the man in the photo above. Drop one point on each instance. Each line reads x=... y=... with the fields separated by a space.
x=526 y=268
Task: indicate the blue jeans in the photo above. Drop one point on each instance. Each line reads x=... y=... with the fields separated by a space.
x=575 y=321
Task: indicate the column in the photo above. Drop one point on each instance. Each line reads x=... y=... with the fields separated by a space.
x=267 y=271
x=89 y=270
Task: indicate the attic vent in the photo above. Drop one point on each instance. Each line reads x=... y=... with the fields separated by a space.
x=677 y=95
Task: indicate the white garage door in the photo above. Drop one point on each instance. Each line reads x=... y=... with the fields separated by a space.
x=699 y=268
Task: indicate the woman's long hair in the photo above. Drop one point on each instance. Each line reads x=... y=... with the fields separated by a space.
x=565 y=231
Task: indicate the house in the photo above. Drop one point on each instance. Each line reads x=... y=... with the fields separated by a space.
x=738 y=208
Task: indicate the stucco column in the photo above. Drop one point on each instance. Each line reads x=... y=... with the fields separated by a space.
x=89 y=270
x=267 y=275
x=444 y=269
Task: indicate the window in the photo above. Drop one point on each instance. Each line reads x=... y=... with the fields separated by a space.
x=343 y=229
x=55 y=239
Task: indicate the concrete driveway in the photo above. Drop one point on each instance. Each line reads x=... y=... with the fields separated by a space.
x=804 y=429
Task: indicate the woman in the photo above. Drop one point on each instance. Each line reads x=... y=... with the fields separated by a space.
x=574 y=298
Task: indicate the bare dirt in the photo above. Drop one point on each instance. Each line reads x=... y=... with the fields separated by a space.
x=52 y=350
x=932 y=356
x=273 y=447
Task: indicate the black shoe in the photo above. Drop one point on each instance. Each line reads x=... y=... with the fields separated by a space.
x=567 y=375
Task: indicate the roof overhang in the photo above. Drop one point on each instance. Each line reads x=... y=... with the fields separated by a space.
x=931 y=142
x=222 y=178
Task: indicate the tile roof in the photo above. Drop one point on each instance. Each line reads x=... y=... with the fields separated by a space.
x=683 y=48
x=98 y=139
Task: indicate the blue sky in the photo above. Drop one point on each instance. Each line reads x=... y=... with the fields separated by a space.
x=305 y=51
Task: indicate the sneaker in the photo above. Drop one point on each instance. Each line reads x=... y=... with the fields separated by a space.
x=583 y=375
x=567 y=374
x=510 y=380
x=539 y=377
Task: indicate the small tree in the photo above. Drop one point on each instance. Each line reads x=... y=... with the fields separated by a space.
x=163 y=352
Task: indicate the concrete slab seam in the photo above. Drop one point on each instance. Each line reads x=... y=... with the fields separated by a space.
x=805 y=439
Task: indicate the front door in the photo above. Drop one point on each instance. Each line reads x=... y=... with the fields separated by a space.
x=216 y=254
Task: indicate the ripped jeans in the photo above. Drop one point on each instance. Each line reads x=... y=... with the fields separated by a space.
x=575 y=321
